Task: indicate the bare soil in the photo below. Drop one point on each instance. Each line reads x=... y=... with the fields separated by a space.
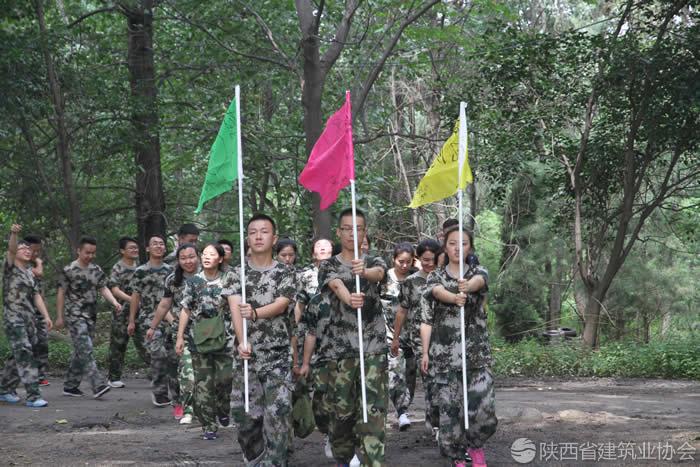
x=613 y=421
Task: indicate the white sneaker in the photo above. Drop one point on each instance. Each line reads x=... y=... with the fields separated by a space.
x=327 y=449
x=355 y=462
x=116 y=384
x=436 y=433
x=186 y=419
x=404 y=422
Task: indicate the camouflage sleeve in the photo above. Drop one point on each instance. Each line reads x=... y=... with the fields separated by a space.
x=405 y=293
x=188 y=298
x=63 y=279
x=310 y=317
x=136 y=281
x=325 y=274
x=113 y=280
x=231 y=283
x=101 y=278
x=286 y=287
x=481 y=271
x=432 y=281
x=168 y=286
x=426 y=314
x=377 y=261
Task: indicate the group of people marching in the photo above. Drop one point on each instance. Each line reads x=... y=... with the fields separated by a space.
x=299 y=342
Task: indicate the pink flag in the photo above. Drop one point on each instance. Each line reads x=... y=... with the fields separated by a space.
x=331 y=164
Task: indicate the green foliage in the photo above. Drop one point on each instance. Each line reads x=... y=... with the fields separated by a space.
x=677 y=358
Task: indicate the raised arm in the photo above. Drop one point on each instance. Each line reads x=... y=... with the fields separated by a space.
x=12 y=244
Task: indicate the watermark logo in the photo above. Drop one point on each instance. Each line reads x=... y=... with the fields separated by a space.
x=523 y=451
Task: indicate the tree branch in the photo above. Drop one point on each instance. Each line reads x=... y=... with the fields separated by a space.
x=79 y=19
x=341 y=35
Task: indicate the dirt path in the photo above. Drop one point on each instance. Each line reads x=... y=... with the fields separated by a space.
x=615 y=422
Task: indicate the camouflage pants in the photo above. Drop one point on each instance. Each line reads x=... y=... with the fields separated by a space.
x=164 y=363
x=432 y=408
x=411 y=371
x=454 y=439
x=118 y=341
x=20 y=364
x=348 y=429
x=185 y=373
x=263 y=432
x=41 y=348
x=398 y=389
x=210 y=370
x=321 y=402
x=82 y=362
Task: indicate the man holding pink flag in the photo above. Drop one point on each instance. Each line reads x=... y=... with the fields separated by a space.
x=359 y=381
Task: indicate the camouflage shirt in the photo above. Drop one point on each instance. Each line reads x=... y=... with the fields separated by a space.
x=409 y=299
x=269 y=338
x=18 y=290
x=445 y=342
x=121 y=276
x=205 y=298
x=148 y=282
x=390 y=301
x=342 y=329
x=307 y=283
x=170 y=259
x=314 y=321
x=174 y=292
x=81 y=286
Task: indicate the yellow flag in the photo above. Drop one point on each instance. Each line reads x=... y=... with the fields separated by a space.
x=440 y=181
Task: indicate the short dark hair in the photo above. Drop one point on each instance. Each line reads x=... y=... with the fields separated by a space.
x=32 y=239
x=428 y=245
x=282 y=243
x=125 y=241
x=348 y=212
x=187 y=229
x=223 y=241
x=87 y=239
x=23 y=242
x=260 y=216
x=162 y=237
x=403 y=247
x=449 y=223
x=455 y=228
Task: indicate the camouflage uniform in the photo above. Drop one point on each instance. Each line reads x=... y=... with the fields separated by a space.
x=41 y=349
x=149 y=282
x=263 y=431
x=81 y=286
x=343 y=342
x=205 y=298
x=446 y=364
x=314 y=321
x=18 y=290
x=185 y=370
x=121 y=276
x=409 y=299
x=398 y=389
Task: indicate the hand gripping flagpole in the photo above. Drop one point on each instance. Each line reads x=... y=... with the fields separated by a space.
x=462 y=156
x=357 y=256
x=240 y=236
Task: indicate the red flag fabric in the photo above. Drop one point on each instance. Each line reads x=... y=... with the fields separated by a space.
x=331 y=164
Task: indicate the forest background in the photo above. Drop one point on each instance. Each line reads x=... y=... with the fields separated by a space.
x=584 y=124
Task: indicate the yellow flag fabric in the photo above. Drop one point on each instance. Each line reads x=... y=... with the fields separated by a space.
x=440 y=181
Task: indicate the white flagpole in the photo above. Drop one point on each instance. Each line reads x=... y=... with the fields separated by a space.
x=240 y=234
x=359 y=310
x=462 y=156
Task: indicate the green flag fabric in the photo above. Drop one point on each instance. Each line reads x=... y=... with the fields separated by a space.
x=223 y=159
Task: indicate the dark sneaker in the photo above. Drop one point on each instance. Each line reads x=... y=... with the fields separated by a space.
x=160 y=401
x=73 y=392
x=101 y=391
x=44 y=382
x=209 y=435
x=224 y=421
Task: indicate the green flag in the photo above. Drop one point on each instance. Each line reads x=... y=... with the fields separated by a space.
x=223 y=159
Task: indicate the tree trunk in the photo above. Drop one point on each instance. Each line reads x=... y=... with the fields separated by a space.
x=150 y=201
x=555 y=290
x=62 y=137
x=592 y=317
x=311 y=94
